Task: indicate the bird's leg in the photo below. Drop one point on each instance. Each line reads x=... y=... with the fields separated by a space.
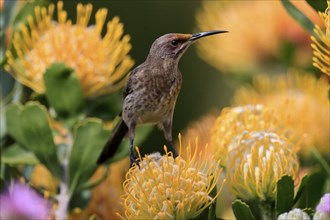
x=167 y=129
x=131 y=133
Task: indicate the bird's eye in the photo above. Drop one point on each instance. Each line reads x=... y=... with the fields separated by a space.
x=174 y=43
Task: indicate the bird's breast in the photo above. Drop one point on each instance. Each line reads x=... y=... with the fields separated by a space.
x=152 y=99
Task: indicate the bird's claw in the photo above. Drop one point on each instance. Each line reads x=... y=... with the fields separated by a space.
x=133 y=161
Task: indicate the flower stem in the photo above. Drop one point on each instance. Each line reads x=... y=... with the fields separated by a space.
x=267 y=211
x=63 y=197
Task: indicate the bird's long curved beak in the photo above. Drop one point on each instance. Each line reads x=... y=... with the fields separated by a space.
x=206 y=33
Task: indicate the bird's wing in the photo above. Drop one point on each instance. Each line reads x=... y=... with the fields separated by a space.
x=130 y=81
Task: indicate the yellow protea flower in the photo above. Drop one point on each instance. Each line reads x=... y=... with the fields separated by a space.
x=101 y=64
x=246 y=50
x=260 y=159
x=233 y=123
x=167 y=188
x=321 y=59
x=300 y=101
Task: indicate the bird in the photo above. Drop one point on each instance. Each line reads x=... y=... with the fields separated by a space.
x=151 y=92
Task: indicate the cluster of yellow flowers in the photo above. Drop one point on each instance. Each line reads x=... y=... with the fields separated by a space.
x=233 y=123
x=259 y=160
x=252 y=147
x=257 y=32
x=321 y=45
x=163 y=187
x=300 y=102
x=101 y=64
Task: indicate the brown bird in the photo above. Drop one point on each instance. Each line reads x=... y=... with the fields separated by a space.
x=152 y=90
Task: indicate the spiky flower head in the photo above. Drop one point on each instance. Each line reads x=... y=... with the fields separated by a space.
x=259 y=160
x=321 y=43
x=299 y=100
x=167 y=188
x=235 y=122
x=296 y=214
x=101 y=63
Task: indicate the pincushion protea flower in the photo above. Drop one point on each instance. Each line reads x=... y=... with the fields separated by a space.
x=321 y=44
x=101 y=64
x=260 y=159
x=167 y=188
x=299 y=100
x=233 y=123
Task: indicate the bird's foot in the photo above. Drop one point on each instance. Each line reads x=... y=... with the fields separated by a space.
x=133 y=161
x=175 y=154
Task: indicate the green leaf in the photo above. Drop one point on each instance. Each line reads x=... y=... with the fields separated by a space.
x=38 y=136
x=319 y=158
x=242 y=210
x=302 y=19
x=13 y=123
x=301 y=188
x=313 y=190
x=212 y=209
x=318 y=5
x=80 y=200
x=63 y=90
x=16 y=155
x=3 y=186
x=208 y=213
x=103 y=177
x=3 y=128
x=284 y=194
x=89 y=137
x=105 y=107
x=28 y=125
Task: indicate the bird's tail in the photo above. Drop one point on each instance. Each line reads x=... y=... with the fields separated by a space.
x=114 y=141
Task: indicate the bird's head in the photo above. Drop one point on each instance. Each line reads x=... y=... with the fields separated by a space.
x=172 y=46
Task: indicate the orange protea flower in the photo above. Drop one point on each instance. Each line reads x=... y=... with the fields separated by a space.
x=260 y=159
x=201 y=129
x=2 y=4
x=167 y=188
x=101 y=64
x=257 y=32
x=321 y=45
x=43 y=179
x=300 y=101
x=233 y=123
